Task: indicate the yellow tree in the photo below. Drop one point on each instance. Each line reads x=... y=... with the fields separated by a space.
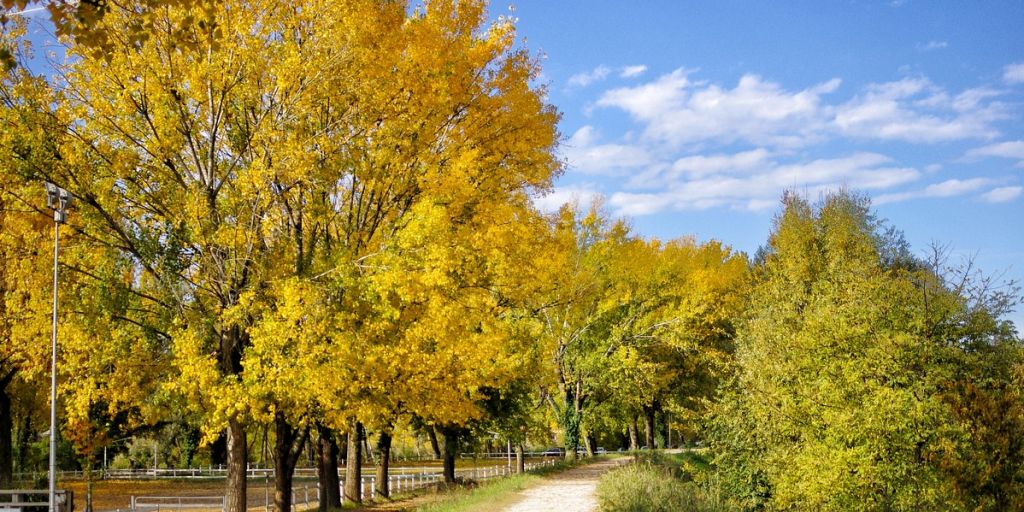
x=235 y=161
x=106 y=338
x=671 y=332
x=451 y=292
x=578 y=297
x=444 y=139
x=24 y=308
x=174 y=151
x=80 y=21
x=25 y=243
x=634 y=324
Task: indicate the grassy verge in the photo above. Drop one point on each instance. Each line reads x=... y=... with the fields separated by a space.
x=659 y=482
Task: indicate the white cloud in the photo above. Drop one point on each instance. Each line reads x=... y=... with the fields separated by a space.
x=948 y=188
x=914 y=110
x=584 y=154
x=677 y=111
x=648 y=100
x=700 y=165
x=573 y=194
x=954 y=187
x=932 y=45
x=584 y=79
x=695 y=144
x=1013 y=149
x=635 y=205
x=632 y=71
x=1002 y=194
x=1014 y=73
x=760 y=184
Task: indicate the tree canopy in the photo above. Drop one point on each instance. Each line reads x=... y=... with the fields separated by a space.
x=309 y=223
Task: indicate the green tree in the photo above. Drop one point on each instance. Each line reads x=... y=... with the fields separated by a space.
x=841 y=398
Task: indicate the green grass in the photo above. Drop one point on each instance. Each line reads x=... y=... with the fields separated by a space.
x=495 y=495
x=491 y=496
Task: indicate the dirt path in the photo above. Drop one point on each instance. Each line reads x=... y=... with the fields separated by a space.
x=569 y=491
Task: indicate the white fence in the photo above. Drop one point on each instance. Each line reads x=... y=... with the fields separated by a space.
x=309 y=495
x=160 y=503
x=20 y=499
x=251 y=472
x=142 y=474
x=398 y=483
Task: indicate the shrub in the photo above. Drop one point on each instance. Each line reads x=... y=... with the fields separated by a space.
x=652 y=485
x=121 y=461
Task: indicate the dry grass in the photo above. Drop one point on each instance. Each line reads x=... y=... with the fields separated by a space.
x=116 y=494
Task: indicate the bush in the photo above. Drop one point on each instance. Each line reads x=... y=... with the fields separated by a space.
x=653 y=484
x=121 y=461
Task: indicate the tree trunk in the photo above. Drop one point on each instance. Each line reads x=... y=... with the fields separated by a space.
x=591 y=444
x=649 y=427
x=384 y=453
x=24 y=439
x=354 y=464
x=634 y=441
x=666 y=434
x=572 y=420
x=367 y=449
x=432 y=435
x=327 y=469
x=232 y=343
x=6 y=434
x=520 y=459
x=288 y=444
x=451 y=448
x=88 y=484
x=238 y=460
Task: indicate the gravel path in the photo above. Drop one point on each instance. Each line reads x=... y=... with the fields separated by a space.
x=569 y=491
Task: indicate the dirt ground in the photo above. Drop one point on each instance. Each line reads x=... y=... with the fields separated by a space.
x=115 y=495
x=569 y=491
x=112 y=495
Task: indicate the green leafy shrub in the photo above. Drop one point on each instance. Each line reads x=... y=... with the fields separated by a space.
x=654 y=483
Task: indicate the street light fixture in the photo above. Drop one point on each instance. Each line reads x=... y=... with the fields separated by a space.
x=58 y=200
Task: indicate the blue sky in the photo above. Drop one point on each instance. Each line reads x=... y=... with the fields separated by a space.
x=691 y=118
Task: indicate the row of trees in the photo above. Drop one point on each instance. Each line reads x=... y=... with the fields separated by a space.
x=313 y=221
x=301 y=215
x=315 y=218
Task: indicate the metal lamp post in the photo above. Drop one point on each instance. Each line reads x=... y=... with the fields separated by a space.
x=58 y=200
